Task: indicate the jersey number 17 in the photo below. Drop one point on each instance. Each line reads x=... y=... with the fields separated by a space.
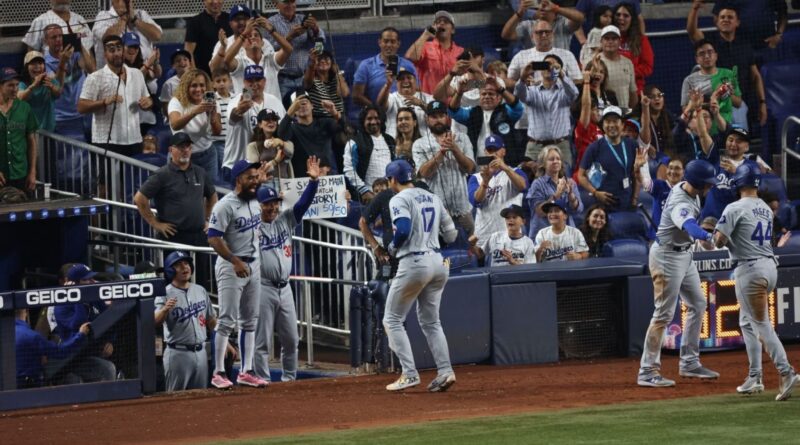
x=428 y=215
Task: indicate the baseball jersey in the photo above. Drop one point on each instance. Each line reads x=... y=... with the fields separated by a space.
x=748 y=225
x=571 y=240
x=276 y=247
x=238 y=222
x=186 y=322
x=499 y=195
x=240 y=132
x=521 y=249
x=427 y=215
x=679 y=208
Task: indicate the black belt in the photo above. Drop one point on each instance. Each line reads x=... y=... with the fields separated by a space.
x=674 y=248
x=280 y=284
x=548 y=141
x=193 y=348
x=246 y=259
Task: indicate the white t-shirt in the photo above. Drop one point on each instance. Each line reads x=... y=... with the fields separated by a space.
x=108 y=18
x=125 y=129
x=199 y=128
x=521 y=249
x=240 y=132
x=168 y=89
x=396 y=102
x=267 y=62
x=501 y=194
x=569 y=241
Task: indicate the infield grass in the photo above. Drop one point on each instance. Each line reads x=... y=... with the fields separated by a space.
x=728 y=419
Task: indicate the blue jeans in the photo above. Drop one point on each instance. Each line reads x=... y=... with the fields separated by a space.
x=219 y=146
x=208 y=160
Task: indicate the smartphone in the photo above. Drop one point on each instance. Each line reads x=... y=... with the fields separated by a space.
x=209 y=97
x=392 y=65
x=540 y=66
x=305 y=24
x=319 y=45
x=256 y=13
x=431 y=29
x=73 y=40
x=485 y=160
x=476 y=84
x=247 y=94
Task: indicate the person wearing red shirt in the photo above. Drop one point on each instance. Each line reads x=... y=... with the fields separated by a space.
x=586 y=129
x=435 y=58
x=634 y=44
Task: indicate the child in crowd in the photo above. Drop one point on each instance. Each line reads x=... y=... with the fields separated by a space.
x=222 y=87
x=181 y=61
x=506 y=248
x=559 y=242
x=601 y=17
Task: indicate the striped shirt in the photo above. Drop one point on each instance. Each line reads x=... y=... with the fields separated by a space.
x=296 y=65
x=548 y=109
x=320 y=91
x=222 y=109
x=448 y=181
x=77 y=24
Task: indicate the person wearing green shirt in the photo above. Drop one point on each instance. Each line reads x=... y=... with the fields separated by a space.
x=40 y=89
x=17 y=135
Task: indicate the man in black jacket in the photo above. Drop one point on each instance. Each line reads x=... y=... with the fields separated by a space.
x=368 y=153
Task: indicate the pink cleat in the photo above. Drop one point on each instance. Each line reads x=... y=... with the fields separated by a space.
x=220 y=381
x=250 y=379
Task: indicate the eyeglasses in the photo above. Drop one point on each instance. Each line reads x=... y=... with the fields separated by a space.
x=656 y=96
x=543 y=32
x=706 y=53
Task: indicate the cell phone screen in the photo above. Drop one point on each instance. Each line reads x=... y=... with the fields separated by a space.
x=73 y=40
x=485 y=160
x=392 y=65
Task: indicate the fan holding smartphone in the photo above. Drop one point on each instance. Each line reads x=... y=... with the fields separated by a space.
x=371 y=76
x=435 y=58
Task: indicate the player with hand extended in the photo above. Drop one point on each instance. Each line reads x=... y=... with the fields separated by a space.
x=418 y=217
x=673 y=271
x=276 y=304
x=746 y=228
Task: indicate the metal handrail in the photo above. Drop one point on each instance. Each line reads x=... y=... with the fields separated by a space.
x=785 y=150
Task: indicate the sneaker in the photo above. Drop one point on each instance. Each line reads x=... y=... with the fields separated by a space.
x=788 y=382
x=656 y=381
x=442 y=382
x=250 y=379
x=701 y=372
x=220 y=381
x=402 y=383
x=751 y=385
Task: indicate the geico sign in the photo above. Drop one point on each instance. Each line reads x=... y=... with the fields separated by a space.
x=133 y=290
x=53 y=296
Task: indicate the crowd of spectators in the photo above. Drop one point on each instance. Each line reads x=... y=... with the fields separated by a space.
x=532 y=158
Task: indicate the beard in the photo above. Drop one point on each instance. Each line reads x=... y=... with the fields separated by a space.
x=439 y=129
x=246 y=195
x=61 y=8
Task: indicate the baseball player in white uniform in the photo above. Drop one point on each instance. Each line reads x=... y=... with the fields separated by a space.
x=508 y=247
x=673 y=272
x=746 y=228
x=276 y=305
x=233 y=232
x=186 y=314
x=418 y=216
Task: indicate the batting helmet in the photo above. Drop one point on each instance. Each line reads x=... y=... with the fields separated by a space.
x=699 y=173
x=747 y=175
x=169 y=263
x=400 y=170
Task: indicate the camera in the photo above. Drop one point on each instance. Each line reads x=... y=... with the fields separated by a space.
x=392 y=64
x=540 y=66
x=209 y=97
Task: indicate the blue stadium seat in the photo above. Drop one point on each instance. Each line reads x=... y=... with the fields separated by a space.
x=163 y=140
x=787 y=215
x=627 y=225
x=624 y=247
x=773 y=183
x=459 y=259
x=646 y=200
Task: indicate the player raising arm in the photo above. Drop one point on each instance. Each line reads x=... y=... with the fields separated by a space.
x=673 y=271
x=418 y=216
x=746 y=228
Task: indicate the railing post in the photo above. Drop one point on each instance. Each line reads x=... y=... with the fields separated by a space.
x=309 y=324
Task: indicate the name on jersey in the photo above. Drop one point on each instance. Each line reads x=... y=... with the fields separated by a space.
x=760 y=212
x=242 y=224
x=497 y=255
x=182 y=314
x=273 y=241
x=424 y=198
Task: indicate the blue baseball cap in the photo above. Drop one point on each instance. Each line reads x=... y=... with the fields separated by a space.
x=240 y=167
x=435 y=107
x=405 y=72
x=494 y=142
x=400 y=170
x=267 y=194
x=238 y=10
x=80 y=272
x=131 y=39
x=7 y=74
x=253 y=72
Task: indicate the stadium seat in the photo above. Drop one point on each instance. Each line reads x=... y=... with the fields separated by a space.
x=163 y=140
x=627 y=225
x=646 y=200
x=773 y=183
x=459 y=259
x=624 y=247
x=787 y=215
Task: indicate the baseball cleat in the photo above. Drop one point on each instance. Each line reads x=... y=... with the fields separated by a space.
x=788 y=382
x=442 y=382
x=220 y=381
x=701 y=372
x=751 y=385
x=402 y=383
x=656 y=381
x=250 y=379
